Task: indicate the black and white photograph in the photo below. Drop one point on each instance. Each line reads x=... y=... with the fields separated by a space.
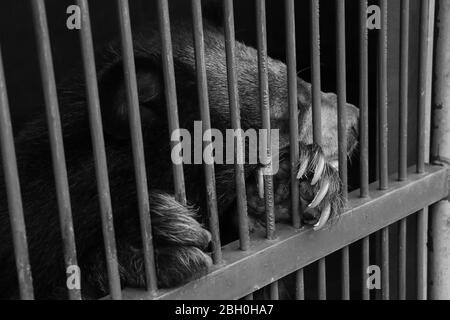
x=224 y=154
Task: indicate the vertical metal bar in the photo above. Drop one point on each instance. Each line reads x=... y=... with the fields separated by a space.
x=274 y=294
x=210 y=180
x=385 y=263
x=440 y=147
x=316 y=108
x=322 y=283
x=315 y=72
x=15 y=207
x=261 y=30
x=236 y=122
x=363 y=100
x=299 y=285
x=293 y=109
x=170 y=93
x=402 y=259
x=403 y=136
x=423 y=86
x=342 y=129
x=55 y=135
x=403 y=112
x=341 y=79
x=422 y=259
x=383 y=99
x=137 y=143
x=365 y=266
x=345 y=274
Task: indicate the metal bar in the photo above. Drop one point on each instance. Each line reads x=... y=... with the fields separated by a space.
x=299 y=285
x=429 y=80
x=274 y=294
x=293 y=109
x=322 y=279
x=261 y=30
x=345 y=274
x=385 y=263
x=342 y=129
x=382 y=98
x=316 y=110
x=402 y=259
x=170 y=94
x=15 y=206
x=341 y=80
x=269 y=261
x=365 y=266
x=236 y=122
x=315 y=72
x=137 y=143
x=56 y=138
x=440 y=154
x=363 y=100
x=210 y=180
x=422 y=258
x=423 y=86
x=403 y=110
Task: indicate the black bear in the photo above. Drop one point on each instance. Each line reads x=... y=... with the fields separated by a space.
x=179 y=236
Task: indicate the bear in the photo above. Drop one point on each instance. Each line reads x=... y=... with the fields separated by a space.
x=180 y=238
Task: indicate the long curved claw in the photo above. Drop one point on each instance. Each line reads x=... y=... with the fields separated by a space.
x=325 y=215
x=320 y=195
x=302 y=169
x=319 y=170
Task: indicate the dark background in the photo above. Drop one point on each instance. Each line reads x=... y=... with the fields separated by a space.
x=22 y=73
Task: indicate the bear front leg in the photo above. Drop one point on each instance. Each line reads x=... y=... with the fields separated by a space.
x=179 y=240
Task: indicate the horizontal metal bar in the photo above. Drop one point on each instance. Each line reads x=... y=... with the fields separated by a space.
x=268 y=261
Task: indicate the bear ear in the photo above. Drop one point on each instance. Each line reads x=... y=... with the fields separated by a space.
x=114 y=100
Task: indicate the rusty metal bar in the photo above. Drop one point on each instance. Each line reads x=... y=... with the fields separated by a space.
x=13 y=193
x=137 y=143
x=170 y=94
x=299 y=285
x=402 y=259
x=315 y=72
x=236 y=122
x=293 y=109
x=363 y=100
x=383 y=99
x=385 y=263
x=261 y=30
x=268 y=261
x=210 y=180
x=439 y=288
x=403 y=110
x=365 y=266
x=55 y=136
